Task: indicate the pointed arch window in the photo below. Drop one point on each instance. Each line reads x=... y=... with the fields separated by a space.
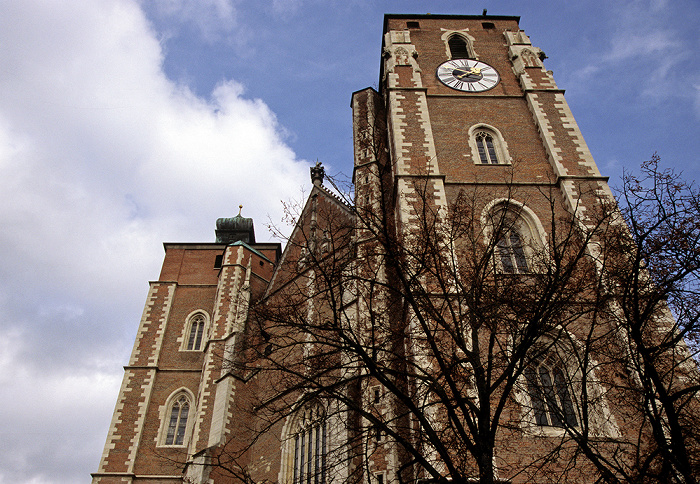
x=550 y=394
x=194 y=332
x=176 y=419
x=307 y=447
x=459 y=47
x=555 y=388
x=516 y=237
x=512 y=252
x=487 y=148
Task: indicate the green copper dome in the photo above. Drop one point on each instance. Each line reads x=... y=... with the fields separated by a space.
x=233 y=229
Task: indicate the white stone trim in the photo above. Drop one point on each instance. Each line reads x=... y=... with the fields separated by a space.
x=568 y=121
x=164 y=413
x=566 y=347
x=500 y=144
x=145 y=326
x=113 y=436
x=445 y=37
x=187 y=328
x=146 y=390
x=524 y=213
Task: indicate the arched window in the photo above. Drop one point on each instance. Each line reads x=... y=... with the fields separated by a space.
x=549 y=389
x=511 y=252
x=194 y=332
x=178 y=421
x=487 y=145
x=307 y=447
x=459 y=48
x=516 y=235
x=176 y=414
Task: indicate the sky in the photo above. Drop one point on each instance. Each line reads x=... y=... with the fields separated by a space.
x=126 y=124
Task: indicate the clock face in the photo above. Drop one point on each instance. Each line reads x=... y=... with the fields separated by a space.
x=467 y=75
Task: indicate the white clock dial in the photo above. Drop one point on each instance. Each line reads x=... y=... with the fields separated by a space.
x=467 y=75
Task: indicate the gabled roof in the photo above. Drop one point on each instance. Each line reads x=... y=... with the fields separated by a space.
x=297 y=238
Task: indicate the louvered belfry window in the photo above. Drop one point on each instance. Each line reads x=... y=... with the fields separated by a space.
x=458 y=47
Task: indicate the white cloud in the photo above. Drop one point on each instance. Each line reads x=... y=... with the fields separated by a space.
x=211 y=18
x=102 y=158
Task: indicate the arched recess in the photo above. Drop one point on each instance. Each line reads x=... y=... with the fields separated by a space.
x=488 y=146
x=517 y=236
x=458 y=45
x=176 y=419
x=195 y=331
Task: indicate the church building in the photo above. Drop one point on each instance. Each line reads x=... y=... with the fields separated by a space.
x=412 y=331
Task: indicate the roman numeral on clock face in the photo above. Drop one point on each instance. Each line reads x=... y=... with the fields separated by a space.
x=467 y=75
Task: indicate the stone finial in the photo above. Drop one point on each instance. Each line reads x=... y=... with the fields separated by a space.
x=317 y=174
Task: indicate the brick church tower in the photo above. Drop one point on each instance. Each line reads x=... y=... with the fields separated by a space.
x=468 y=147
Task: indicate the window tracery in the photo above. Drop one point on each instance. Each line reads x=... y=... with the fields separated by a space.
x=516 y=236
x=488 y=146
x=194 y=332
x=307 y=446
x=550 y=394
x=554 y=390
x=176 y=419
x=512 y=252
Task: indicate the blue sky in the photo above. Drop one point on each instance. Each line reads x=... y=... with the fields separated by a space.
x=124 y=124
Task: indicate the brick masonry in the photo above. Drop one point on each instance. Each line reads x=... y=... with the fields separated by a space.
x=426 y=127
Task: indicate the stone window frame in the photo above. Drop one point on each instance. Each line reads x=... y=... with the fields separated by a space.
x=529 y=228
x=499 y=144
x=188 y=328
x=448 y=34
x=166 y=411
x=562 y=349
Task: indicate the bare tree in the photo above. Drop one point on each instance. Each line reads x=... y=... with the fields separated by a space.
x=648 y=264
x=478 y=345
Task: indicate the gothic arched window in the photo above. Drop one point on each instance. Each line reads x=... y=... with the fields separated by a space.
x=555 y=388
x=194 y=333
x=486 y=147
x=459 y=48
x=550 y=394
x=307 y=447
x=178 y=410
x=512 y=252
x=515 y=235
